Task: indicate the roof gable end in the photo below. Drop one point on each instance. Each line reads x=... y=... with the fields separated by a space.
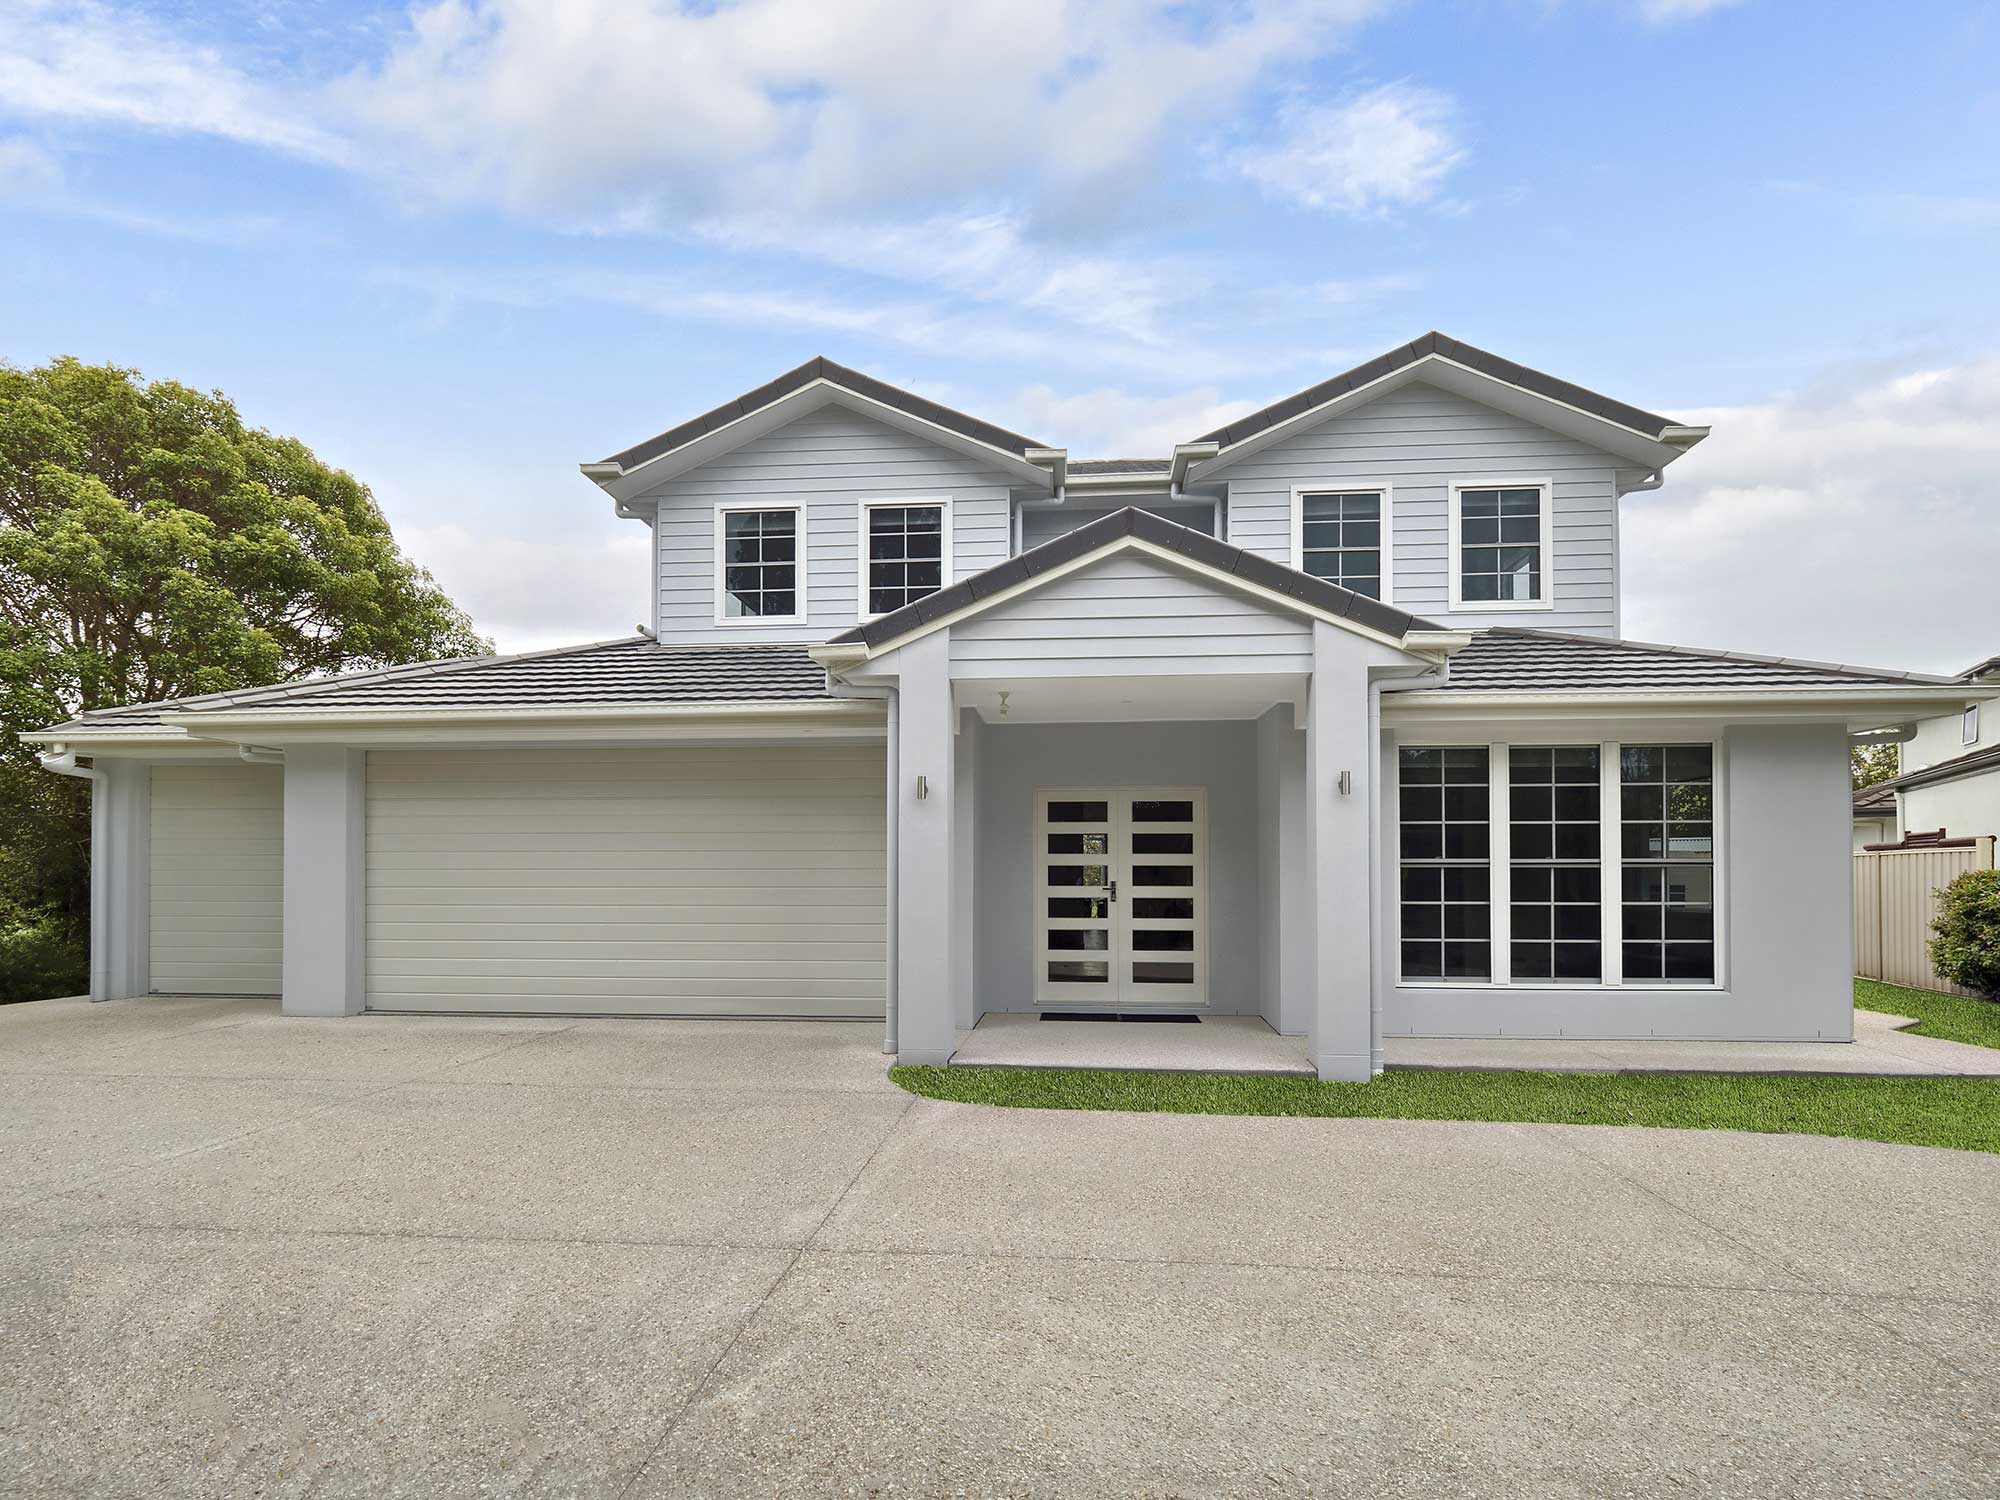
x=1638 y=437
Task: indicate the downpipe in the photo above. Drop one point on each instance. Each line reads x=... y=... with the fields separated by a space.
x=891 y=701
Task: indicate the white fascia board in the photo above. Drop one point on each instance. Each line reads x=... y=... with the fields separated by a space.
x=1448 y=374
x=631 y=484
x=1231 y=581
x=1859 y=706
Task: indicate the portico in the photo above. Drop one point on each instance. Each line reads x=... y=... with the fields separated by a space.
x=1093 y=811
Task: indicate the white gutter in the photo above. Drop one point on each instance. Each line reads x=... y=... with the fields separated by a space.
x=259 y=755
x=63 y=763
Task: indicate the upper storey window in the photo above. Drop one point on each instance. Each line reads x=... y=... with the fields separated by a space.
x=1343 y=537
x=757 y=566
x=1501 y=544
x=903 y=552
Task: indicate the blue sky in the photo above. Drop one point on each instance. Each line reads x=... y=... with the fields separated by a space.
x=458 y=248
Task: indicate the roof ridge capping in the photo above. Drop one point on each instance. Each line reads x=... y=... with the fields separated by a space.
x=1442 y=346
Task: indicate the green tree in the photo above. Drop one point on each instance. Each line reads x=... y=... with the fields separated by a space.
x=152 y=545
x=1872 y=764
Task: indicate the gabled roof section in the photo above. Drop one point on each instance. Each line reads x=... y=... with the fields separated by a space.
x=1132 y=526
x=1518 y=660
x=789 y=384
x=634 y=671
x=1642 y=437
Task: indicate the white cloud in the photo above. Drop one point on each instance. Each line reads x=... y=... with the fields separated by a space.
x=86 y=62
x=1114 y=423
x=27 y=165
x=533 y=592
x=1666 y=12
x=1389 y=147
x=641 y=112
x=1857 y=521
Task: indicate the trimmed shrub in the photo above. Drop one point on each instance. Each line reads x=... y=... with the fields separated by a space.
x=1966 y=945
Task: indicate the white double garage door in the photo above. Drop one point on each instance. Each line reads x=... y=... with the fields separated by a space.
x=719 y=881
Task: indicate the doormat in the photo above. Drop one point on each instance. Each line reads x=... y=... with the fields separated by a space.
x=1112 y=1015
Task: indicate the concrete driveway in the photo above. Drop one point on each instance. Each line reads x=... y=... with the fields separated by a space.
x=414 y=1256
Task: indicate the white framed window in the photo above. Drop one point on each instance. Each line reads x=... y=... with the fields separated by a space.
x=905 y=548
x=1560 y=864
x=1343 y=533
x=760 y=576
x=1968 y=727
x=1502 y=544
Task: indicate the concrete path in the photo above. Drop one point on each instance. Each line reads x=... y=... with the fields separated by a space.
x=1880 y=1048
x=410 y=1256
x=1215 y=1044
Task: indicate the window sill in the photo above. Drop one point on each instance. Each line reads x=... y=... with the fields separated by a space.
x=1497 y=606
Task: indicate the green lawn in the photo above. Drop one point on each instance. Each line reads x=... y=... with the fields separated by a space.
x=1961 y=1113
x=1952 y=1017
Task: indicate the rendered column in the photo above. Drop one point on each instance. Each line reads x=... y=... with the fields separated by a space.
x=325 y=880
x=121 y=880
x=1343 y=1044
x=925 y=782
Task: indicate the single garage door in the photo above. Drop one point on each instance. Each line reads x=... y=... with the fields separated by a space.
x=217 y=852
x=713 y=881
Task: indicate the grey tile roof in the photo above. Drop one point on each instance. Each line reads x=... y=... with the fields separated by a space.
x=634 y=671
x=1121 y=466
x=795 y=380
x=1194 y=545
x=1875 y=801
x=1509 y=659
x=1646 y=423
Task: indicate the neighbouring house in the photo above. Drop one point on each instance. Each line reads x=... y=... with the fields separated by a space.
x=1948 y=771
x=1874 y=816
x=1322 y=717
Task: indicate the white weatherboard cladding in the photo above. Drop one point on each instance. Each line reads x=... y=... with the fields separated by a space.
x=689 y=881
x=1420 y=440
x=825 y=463
x=217 y=842
x=1129 y=614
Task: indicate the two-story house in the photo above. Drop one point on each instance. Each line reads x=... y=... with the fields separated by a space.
x=1947 y=776
x=1322 y=717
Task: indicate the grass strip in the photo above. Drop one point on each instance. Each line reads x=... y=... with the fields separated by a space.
x=1958 y=1113
x=1952 y=1018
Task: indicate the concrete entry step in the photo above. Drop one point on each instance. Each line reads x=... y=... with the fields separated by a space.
x=1217 y=1044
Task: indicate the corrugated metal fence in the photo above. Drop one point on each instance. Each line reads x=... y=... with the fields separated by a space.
x=1895 y=897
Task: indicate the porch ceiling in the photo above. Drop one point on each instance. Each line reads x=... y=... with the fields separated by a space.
x=1098 y=700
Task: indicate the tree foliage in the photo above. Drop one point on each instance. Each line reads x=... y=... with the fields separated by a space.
x=1872 y=764
x=1965 y=941
x=153 y=545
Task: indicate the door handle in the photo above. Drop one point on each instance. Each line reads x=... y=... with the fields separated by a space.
x=1111 y=892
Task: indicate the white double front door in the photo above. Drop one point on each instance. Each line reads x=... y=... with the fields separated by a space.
x=1121 y=897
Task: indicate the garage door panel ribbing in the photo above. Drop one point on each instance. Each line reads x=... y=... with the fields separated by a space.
x=216 y=865
x=746 y=881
